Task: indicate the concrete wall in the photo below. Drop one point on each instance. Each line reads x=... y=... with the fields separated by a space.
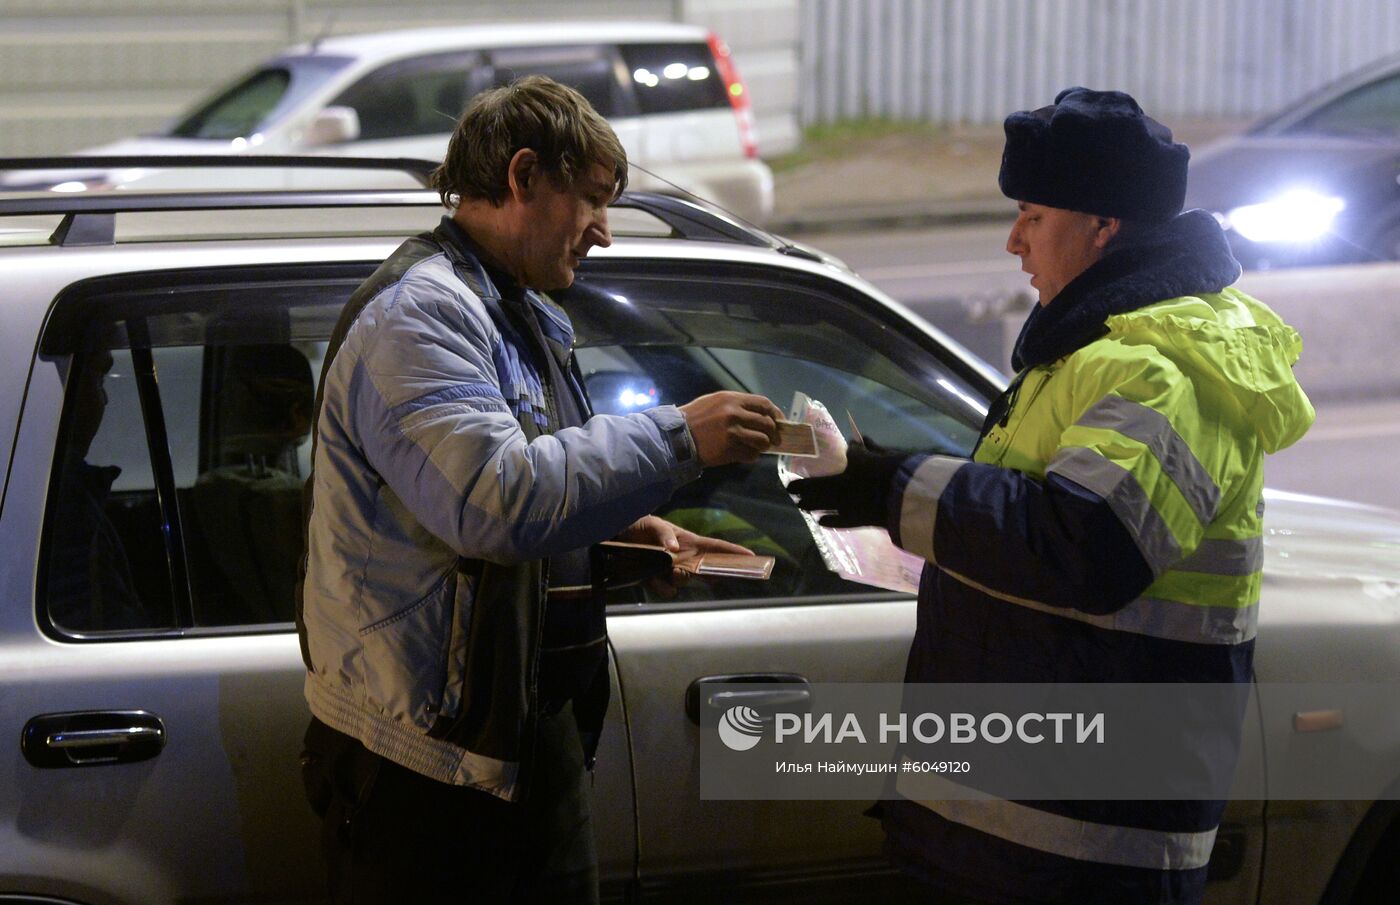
x=75 y=73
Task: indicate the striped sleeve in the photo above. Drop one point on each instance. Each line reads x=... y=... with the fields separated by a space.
x=1015 y=536
x=1130 y=447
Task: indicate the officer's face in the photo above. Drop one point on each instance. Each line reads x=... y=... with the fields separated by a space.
x=1056 y=245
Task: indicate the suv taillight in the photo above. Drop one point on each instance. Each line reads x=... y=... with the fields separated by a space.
x=737 y=93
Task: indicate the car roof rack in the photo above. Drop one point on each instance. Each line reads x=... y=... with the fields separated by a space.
x=90 y=219
x=692 y=221
x=416 y=167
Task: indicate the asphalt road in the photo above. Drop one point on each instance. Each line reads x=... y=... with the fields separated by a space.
x=950 y=275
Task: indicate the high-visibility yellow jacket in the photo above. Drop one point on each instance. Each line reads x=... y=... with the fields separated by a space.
x=1108 y=529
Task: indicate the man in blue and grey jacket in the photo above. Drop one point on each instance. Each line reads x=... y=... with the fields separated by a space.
x=458 y=474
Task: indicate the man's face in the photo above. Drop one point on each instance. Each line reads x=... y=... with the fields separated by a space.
x=562 y=225
x=1056 y=245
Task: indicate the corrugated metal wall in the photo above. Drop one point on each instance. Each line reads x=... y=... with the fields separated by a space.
x=973 y=61
x=75 y=73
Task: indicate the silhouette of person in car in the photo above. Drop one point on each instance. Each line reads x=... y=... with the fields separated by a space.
x=90 y=583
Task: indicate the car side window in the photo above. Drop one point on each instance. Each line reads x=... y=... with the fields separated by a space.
x=592 y=71
x=422 y=96
x=646 y=342
x=185 y=441
x=105 y=557
x=1372 y=109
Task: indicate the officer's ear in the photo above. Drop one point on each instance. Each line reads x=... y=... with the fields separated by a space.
x=1105 y=228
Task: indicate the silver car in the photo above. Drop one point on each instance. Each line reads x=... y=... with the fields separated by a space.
x=156 y=384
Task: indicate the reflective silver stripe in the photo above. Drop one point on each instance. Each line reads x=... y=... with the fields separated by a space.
x=1225 y=557
x=1152 y=616
x=1127 y=499
x=918 y=509
x=1177 y=621
x=1259 y=510
x=1152 y=429
x=1067 y=837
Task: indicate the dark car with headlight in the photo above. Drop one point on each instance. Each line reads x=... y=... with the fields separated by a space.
x=158 y=362
x=1315 y=183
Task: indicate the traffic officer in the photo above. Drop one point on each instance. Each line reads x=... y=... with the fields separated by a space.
x=1108 y=525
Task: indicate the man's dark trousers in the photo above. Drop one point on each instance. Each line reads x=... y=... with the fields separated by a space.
x=390 y=835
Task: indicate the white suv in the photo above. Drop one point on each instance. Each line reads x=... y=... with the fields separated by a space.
x=670 y=91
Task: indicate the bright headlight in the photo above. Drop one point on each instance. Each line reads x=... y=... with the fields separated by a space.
x=1297 y=216
x=631 y=398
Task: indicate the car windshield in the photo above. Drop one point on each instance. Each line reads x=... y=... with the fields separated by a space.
x=259 y=99
x=1371 y=111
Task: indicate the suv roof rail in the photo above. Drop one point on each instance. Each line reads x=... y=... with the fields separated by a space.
x=691 y=221
x=89 y=218
x=413 y=166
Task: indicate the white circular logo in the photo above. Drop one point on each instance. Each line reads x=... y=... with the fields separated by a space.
x=740 y=728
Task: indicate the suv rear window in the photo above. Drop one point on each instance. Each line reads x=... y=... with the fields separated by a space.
x=671 y=78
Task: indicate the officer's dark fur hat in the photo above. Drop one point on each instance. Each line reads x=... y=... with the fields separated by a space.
x=1096 y=152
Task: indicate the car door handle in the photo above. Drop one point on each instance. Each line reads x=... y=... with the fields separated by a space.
x=92 y=738
x=794 y=696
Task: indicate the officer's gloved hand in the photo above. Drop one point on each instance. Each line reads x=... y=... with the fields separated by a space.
x=857 y=496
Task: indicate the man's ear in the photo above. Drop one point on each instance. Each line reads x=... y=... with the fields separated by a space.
x=1105 y=229
x=522 y=173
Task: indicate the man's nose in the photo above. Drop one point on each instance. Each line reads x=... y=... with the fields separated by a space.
x=598 y=232
x=1013 y=240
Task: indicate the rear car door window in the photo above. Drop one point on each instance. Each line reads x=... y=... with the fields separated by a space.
x=175 y=504
x=593 y=71
x=421 y=96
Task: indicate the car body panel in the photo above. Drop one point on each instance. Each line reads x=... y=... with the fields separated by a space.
x=1249 y=169
x=660 y=654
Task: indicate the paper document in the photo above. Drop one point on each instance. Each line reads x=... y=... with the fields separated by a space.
x=864 y=555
